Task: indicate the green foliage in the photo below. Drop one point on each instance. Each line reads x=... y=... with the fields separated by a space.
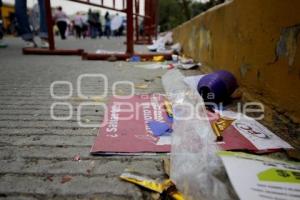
x=174 y=12
x=170 y=14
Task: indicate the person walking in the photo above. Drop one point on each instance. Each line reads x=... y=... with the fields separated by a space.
x=78 y=25
x=24 y=27
x=99 y=24
x=61 y=19
x=2 y=44
x=107 y=29
x=93 y=18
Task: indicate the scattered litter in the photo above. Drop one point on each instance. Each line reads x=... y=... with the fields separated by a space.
x=66 y=179
x=141 y=86
x=188 y=66
x=158 y=58
x=3 y=45
x=135 y=59
x=219 y=126
x=260 y=178
x=197 y=170
x=192 y=81
x=175 y=58
x=218 y=86
x=157 y=185
x=185 y=60
x=160 y=44
x=176 y=48
x=98 y=99
x=149 y=80
x=169 y=109
x=77 y=98
x=112 y=58
x=149 y=66
x=245 y=133
x=156 y=66
x=182 y=62
x=76 y=157
x=102 y=51
x=90 y=168
x=177 y=62
x=164 y=140
x=37 y=138
x=293 y=154
x=160 y=128
x=147 y=182
x=167 y=166
x=86 y=120
x=237 y=94
x=50 y=178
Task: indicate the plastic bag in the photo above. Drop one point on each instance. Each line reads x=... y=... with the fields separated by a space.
x=195 y=168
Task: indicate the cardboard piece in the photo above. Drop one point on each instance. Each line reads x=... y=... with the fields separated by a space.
x=128 y=132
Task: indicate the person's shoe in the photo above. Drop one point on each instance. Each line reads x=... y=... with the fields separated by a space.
x=30 y=44
x=44 y=44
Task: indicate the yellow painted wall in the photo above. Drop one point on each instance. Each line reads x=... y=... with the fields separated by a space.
x=6 y=10
x=258 y=41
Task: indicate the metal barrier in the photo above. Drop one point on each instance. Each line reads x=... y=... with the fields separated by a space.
x=150 y=24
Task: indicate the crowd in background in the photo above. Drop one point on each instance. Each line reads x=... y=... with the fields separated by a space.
x=91 y=24
x=81 y=25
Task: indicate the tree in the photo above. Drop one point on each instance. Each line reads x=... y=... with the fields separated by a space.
x=174 y=12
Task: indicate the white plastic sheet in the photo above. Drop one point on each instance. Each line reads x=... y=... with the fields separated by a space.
x=195 y=168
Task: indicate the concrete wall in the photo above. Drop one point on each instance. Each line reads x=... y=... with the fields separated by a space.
x=258 y=41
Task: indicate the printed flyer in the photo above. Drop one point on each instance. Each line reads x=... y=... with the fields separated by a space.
x=126 y=131
x=261 y=178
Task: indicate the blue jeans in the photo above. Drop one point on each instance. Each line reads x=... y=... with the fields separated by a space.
x=93 y=31
x=23 y=22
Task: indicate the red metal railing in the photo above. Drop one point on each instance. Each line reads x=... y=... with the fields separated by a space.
x=150 y=27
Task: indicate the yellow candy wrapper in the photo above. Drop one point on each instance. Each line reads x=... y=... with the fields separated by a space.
x=220 y=125
x=160 y=186
x=176 y=195
x=168 y=107
x=158 y=58
x=146 y=182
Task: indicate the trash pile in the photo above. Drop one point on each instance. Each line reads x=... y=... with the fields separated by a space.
x=204 y=136
x=164 y=44
x=180 y=63
x=159 y=45
x=216 y=153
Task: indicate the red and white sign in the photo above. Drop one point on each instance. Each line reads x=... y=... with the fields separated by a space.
x=125 y=129
x=247 y=134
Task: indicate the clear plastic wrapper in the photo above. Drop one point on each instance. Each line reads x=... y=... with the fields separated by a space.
x=195 y=168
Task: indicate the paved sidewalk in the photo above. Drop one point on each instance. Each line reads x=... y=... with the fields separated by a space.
x=36 y=152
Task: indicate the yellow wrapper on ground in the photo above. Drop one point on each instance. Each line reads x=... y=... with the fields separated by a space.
x=220 y=125
x=158 y=58
x=146 y=182
x=168 y=107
